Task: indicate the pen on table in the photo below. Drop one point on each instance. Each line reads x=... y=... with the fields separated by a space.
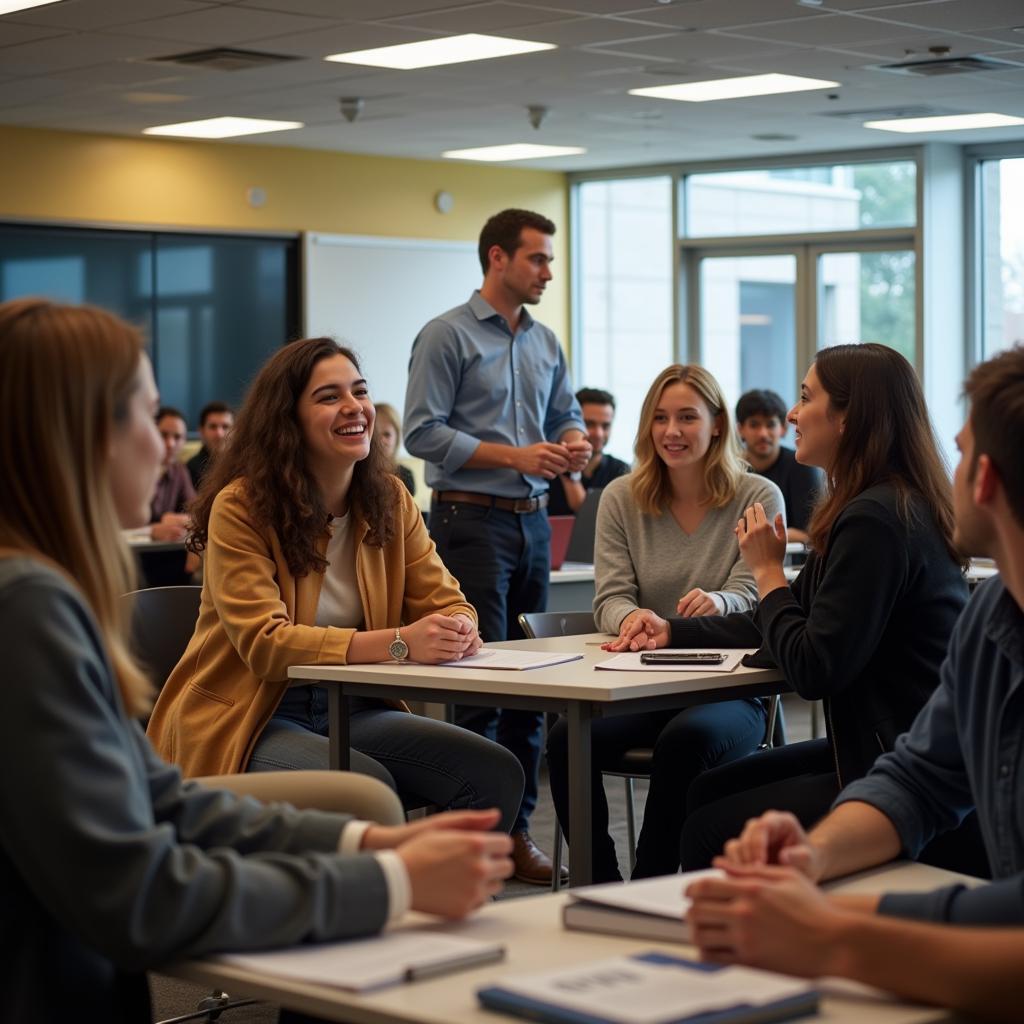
x=455 y=964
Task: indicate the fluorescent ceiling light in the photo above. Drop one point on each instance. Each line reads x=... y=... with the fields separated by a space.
x=733 y=88
x=221 y=127
x=10 y=6
x=945 y=123
x=514 y=151
x=430 y=53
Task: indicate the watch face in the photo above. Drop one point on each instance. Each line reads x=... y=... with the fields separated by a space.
x=399 y=650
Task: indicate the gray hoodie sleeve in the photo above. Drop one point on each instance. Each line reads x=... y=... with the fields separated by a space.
x=114 y=846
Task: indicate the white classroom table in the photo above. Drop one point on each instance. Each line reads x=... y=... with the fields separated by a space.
x=571 y=588
x=140 y=541
x=575 y=689
x=530 y=929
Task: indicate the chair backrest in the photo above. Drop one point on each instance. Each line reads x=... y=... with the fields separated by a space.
x=163 y=620
x=538 y=625
x=581 y=543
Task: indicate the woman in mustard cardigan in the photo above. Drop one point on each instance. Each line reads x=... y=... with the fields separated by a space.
x=315 y=553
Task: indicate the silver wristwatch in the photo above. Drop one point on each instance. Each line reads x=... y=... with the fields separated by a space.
x=398 y=648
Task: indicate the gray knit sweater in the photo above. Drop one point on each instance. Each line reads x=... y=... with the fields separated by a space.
x=643 y=561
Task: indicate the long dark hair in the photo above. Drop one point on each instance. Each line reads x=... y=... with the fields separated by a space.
x=266 y=451
x=887 y=438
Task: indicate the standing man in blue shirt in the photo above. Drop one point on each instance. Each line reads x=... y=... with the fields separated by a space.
x=490 y=410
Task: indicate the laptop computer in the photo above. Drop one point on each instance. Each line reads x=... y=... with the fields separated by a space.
x=561 y=531
x=581 y=544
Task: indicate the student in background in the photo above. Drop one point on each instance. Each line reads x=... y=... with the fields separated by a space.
x=316 y=552
x=389 y=437
x=866 y=624
x=569 y=490
x=666 y=541
x=215 y=422
x=174 y=490
x=963 y=752
x=110 y=864
x=761 y=422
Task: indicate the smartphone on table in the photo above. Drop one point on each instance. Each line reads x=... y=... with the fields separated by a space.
x=681 y=658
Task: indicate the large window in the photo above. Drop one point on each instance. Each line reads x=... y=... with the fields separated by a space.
x=212 y=307
x=774 y=263
x=787 y=200
x=1001 y=189
x=624 y=293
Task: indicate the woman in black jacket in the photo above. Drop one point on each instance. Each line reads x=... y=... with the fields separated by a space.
x=865 y=626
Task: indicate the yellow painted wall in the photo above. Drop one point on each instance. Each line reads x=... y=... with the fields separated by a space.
x=68 y=176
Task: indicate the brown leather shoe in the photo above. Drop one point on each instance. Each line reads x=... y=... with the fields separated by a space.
x=533 y=865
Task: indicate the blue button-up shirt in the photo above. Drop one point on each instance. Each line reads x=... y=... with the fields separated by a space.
x=965 y=750
x=471 y=380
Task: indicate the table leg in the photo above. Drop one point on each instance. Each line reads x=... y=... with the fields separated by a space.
x=337 y=728
x=581 y=807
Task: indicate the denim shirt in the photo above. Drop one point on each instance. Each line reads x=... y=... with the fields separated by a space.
x=965 y=750
x=471 y=380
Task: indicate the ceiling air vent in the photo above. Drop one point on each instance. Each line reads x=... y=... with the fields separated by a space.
x=947 y=66
x=887 y=113
x=224 y=58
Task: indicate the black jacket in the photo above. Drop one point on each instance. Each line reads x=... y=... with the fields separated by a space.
x=864 y=627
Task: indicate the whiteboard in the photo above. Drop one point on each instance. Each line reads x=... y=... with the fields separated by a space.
x=375 y=294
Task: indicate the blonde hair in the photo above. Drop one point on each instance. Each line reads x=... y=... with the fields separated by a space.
x=723 y=465
x=390 y=413
x=67 y=374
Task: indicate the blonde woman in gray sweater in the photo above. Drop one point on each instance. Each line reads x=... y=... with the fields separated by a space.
x=665 y=542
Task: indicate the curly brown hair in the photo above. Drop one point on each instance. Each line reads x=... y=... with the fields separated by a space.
x=266 y=451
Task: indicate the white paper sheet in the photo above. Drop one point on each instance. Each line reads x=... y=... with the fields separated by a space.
x=369 y=963
x=661 y=896
x=511 y=660
x=630 y=662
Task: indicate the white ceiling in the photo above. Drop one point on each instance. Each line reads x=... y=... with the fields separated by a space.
x=86 y=65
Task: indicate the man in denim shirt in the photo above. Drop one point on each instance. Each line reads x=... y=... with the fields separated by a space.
x=490 y=410
x=964 y=752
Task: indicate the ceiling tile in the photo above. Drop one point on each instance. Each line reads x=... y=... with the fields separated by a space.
x=76 y=50
x=353 y=10
x=956 y=15
x=344 y=38
x=705 y=14
x=694 y=46
x=13 y=35
x=591 y=31
x=488 y=17
x=88 y=15
x=225 y=26
x=821 y=30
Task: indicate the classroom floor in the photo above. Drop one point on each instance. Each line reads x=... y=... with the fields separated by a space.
x=172 y=998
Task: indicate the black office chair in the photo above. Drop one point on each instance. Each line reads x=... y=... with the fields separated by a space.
x=162 y=622
x=633 y=764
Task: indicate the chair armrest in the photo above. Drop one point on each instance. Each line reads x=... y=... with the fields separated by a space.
x=347 y=792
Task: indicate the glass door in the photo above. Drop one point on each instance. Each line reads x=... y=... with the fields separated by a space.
x=867 y=295
x=758 y=317
x=748 y=322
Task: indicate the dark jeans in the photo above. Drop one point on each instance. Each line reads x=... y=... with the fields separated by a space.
x=424 y=761
x=685 y=744
x=799 y=778
x=502 y=562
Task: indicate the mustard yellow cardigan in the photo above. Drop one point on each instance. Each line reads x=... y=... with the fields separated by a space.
x=256 y=620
